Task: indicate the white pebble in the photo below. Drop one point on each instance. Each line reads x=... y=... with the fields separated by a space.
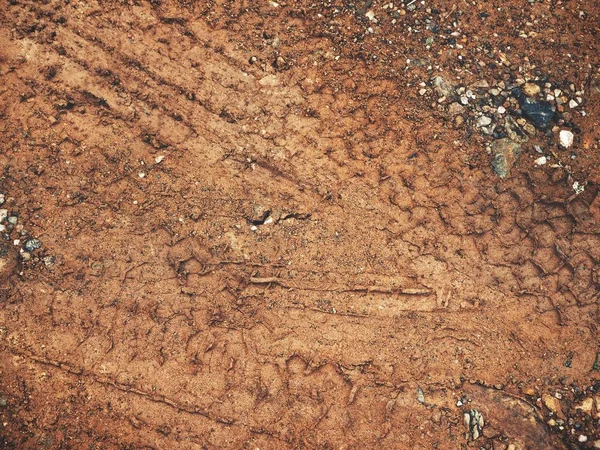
x=501 y=109
x=141 y=174
x=484 y=121
x=159 y=158
x=566 y=138
x=17 y=241
x=573 y=104
x=3 y=214
x=582 y=438
x=541 y=161
x=422 y=91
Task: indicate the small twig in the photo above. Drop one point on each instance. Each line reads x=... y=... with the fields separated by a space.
x=450 y=12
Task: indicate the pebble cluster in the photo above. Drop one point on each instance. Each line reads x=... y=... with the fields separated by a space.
x=12 y=230
x=512 y=111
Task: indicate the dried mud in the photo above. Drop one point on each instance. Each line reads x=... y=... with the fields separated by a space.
x=258 y=234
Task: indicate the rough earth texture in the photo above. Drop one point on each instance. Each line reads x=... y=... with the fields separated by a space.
x=263 y=227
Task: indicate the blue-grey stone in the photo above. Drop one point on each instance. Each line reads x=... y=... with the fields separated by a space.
x=539 y=113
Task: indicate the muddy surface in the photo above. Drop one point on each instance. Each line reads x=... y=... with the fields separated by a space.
x=299 y=224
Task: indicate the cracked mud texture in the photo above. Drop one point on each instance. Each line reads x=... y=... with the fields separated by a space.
x=257 y=234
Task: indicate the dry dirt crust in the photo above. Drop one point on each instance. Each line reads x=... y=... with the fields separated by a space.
x=297 y=224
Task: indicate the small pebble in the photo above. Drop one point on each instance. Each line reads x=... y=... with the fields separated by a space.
x=541 y=161
x=13 y=220
x=531 y=89
x=501 y=109
x=3 y=214
x=32 y=244
x=573 y=104
x=582 y=438
x=565 y=138
x=484 y=121
x=159 y=158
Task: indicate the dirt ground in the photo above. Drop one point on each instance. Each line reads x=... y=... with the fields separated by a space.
x=281 y=225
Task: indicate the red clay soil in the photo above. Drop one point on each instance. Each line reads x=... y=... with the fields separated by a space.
x=271 y=225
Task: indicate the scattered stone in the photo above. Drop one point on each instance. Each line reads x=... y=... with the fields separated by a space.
x=573 y=104
x=529 y=129
x=3 y=214
x=481 y=84
x=552 y=404
x=32 y=244
x=159 y=159
x=12 y=220
x=514 y=132
x=442 y=87
x=501 y=109
x=582 y=438
x=455 y=109
x=2 y=199
x=565 y=138
x=49 y=261
x=541 y=161
x=531 y=89
x=484 y=121
x=258 y=214
x=420 y=396
x=474 y=423
x=538 y=113
x=505 y=153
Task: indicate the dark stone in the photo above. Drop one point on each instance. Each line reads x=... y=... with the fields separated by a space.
x=32 y=244
x=500 y=132
x=540 y=114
